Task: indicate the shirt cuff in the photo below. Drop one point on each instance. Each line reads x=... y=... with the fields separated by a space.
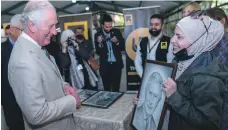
x=175 y=100
x=65 y=83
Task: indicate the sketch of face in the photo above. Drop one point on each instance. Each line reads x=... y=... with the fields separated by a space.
x=153 y=94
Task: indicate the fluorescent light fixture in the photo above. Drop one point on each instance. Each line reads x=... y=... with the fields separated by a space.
x=74 y=1
x=87 y=8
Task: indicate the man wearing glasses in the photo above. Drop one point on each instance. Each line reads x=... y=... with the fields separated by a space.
x=12 y=112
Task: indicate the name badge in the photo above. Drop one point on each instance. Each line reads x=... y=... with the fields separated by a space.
x=164 y=45
x=79 y=67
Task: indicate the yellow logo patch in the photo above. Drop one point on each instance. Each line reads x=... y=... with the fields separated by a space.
x=164 y=45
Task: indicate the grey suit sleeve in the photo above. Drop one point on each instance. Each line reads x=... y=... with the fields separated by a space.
x=26 y=82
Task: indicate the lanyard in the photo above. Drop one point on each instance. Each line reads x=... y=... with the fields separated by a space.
x=150 y=48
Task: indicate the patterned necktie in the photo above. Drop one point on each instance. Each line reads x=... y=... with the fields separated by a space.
x=46 y=52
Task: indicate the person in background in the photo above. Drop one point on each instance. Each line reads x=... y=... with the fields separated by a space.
x=221 y=50
x=83 y=43
x=190 y=7
x=7 y=31
x=12 y=111
x=75 y=58
x=46 y=101
x=154 y=47
x=2 y=35
x=109 y=43
x=87 y=46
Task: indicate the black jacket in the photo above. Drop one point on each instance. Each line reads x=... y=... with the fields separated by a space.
x=197 y=103
x=102 y=51
x=161 y=53
x=84 y=53
x=12 y=111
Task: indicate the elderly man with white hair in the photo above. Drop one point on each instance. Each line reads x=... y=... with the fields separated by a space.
x=46 y=101
x=13 y=114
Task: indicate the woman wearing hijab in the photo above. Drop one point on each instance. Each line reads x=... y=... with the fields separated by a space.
x=195 y=98
x=75 y=59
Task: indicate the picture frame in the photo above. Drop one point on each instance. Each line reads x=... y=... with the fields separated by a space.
x=81 y=24
x=102 y=99
x=149 y=113
x=85 y=94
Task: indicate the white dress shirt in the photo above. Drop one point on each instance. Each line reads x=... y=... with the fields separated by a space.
x=30 y=39
x=151 y=55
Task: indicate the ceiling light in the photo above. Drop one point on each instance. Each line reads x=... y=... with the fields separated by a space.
x=87 y=8
x=74 y=1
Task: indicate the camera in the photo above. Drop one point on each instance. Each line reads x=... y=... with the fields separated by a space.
x=70 y=41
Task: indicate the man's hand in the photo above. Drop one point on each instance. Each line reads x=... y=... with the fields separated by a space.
x=135 y=100
x=114 y=39
x=71 y=91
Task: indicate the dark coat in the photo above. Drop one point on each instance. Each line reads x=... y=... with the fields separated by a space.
x=84 y=53
x=12 y=111
x=103 y=51
x=197 y=104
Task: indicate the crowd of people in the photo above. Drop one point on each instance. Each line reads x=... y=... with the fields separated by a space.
x=36 y=96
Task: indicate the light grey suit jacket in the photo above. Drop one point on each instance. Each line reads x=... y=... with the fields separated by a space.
x=38 y=87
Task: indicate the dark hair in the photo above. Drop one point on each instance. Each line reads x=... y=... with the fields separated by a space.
x=217 y=14
x=158 y=16
x=195 y=5
x=7 y=27
x=79 y=28
x=106 y=18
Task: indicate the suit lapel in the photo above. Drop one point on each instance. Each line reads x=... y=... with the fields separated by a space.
x=50 y=62
x=40 y=54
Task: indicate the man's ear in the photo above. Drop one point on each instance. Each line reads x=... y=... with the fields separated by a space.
x=32 y=27
x=223 y=21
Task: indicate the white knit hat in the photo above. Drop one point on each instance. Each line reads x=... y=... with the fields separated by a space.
x=65 y=34
x=203 y=34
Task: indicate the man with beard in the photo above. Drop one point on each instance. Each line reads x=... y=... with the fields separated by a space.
x=83 y=43
x=154 y=47
x=109 y=43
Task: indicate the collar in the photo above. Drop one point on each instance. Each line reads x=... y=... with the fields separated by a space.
x=150 y=37
x=11 y=41
x=106 y=33
x=30 y=39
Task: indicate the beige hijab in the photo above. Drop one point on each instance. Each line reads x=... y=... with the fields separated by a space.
x=194 y=29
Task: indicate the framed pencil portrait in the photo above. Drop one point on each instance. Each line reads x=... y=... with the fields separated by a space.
x=149 y=113
x=102 y=99
x=85 y=94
